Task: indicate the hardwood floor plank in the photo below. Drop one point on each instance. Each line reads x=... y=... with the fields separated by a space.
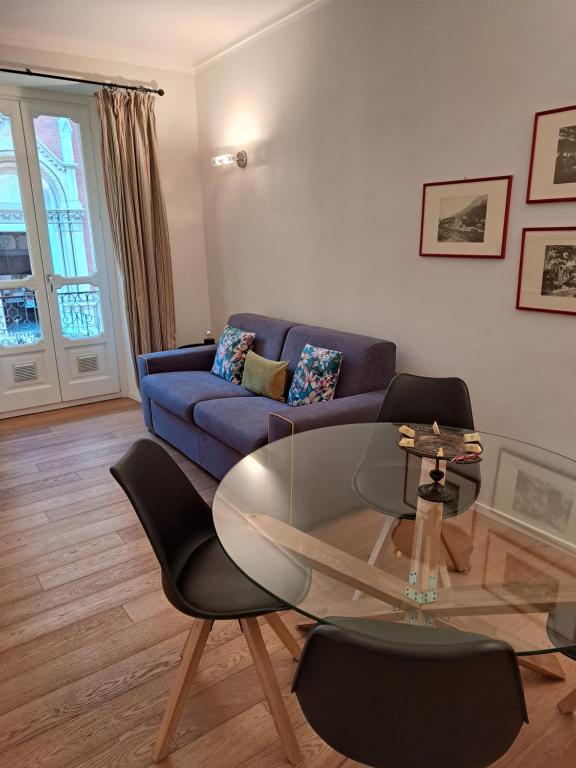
x=97 y=654
x=17 y=590
x=53 y=528
x=133 y=533
x=89 y=565
x=80 y=697
x=90 y=497
x=94 y=583
x=23 y=523
x=60 y=558
x=145 y=606
x=69 y=613
x=55 y=542
x=28 y=656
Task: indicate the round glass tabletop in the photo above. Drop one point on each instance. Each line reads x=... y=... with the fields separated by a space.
x=330 y=521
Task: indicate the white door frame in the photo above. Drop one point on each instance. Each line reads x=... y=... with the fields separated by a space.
x=28 y=372
x=127 y=378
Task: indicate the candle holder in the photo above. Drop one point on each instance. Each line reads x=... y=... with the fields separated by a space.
x=435 y=492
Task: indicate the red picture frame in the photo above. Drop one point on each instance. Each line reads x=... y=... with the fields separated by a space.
x=521 y=270
x=538 y=117
x=499 y=251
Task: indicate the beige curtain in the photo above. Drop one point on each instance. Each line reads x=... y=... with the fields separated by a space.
x=138 y=216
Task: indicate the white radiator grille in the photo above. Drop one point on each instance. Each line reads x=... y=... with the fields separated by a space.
x=87 y=363
x=25 y=372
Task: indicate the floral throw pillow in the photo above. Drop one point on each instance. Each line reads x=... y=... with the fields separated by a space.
x=231 y=353
x=315 y=376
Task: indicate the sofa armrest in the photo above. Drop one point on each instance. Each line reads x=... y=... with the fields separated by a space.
x=193 y=359
x=356 y=409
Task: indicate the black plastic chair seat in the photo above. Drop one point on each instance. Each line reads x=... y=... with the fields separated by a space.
x=561 y=628
x=210 y=584
x=406 y=696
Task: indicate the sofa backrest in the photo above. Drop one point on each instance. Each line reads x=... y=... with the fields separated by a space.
x=367 y=363
x=270 y=332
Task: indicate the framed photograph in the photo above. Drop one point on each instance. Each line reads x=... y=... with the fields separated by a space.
x=466 y=218
x=540 y=499
x=547 y=274
x=552 y=176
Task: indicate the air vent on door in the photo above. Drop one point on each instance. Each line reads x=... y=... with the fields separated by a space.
x=25 y=372
x=87 y=363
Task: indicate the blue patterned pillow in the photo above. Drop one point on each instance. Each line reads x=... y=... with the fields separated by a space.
x=231 y=353
x=316 y=376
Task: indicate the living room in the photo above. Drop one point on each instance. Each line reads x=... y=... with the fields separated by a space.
x=376 y=188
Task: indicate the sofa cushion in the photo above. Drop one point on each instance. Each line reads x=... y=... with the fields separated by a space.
x=316 y=376
x=231 y=353
x=265 y=377
x=367 y=363
x=181 y=391
x=270 y=332
x=239 y=422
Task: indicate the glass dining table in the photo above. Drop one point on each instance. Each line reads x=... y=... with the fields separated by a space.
x=330 y=522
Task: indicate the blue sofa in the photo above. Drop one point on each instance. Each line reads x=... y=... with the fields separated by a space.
x=216 y=423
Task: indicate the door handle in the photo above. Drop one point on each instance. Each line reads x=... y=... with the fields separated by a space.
x=50 y=281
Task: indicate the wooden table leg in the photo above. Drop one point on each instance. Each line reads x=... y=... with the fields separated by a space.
x=423 y=580
x=568 y=703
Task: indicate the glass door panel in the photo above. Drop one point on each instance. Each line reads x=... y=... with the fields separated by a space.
x=64 y=186
x=28 y=375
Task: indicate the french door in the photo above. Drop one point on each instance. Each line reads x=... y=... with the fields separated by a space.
x=57 y=341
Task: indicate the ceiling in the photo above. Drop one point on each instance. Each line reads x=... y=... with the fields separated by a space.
x=173 y=34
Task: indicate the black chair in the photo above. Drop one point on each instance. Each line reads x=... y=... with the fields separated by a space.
x=561 y=628
x=199 y=579
x=413 y=399
x=400 y=696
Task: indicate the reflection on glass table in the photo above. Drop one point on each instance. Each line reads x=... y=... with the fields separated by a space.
x=341 y=504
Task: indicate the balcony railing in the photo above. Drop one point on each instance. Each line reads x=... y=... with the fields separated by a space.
x=80 y=314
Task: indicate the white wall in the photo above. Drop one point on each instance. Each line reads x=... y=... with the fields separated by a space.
x=345 y=113
x=178 y=150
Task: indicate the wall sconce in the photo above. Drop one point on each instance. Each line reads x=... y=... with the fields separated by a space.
x=240 y=158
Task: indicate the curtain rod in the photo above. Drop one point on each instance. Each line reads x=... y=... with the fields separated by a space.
x=141 y=88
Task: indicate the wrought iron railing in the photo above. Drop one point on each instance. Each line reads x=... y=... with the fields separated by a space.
x=80 y=314
x=19 y=320
x=80 y=311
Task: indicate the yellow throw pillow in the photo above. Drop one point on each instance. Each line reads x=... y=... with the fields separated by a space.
x=265 y=377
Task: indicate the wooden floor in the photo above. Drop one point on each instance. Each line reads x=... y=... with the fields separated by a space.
x=89 y=645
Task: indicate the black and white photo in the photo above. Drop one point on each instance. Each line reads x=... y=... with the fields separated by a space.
x=466 y=218
x=547 y=274
x=462 y=219
x=559 y=275
x=565 y=168
x=552 y=176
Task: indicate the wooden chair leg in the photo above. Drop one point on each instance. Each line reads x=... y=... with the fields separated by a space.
x=271 y=689
x=306 y=626
x=568 y=704
x=284 y=634
x=191 y=656
x=547 y=665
